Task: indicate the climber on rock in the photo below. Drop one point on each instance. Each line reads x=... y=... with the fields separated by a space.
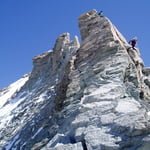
x=101 y=14
x=133 y=42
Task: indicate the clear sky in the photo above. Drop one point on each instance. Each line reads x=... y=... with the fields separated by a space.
x=30 y=27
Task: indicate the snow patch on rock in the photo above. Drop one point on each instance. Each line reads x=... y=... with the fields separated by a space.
x=127 y=106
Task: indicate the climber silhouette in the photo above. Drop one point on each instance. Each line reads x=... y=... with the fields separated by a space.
x=133 y=42
x=101 y=14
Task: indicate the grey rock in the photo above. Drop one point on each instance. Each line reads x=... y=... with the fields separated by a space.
x=89 y=96
x=76 y=146
x=146 y=71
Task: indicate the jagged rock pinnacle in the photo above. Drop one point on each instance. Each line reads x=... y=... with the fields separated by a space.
x=89 y=96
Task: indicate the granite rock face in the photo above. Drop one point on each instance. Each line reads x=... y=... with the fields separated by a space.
x=89 y=96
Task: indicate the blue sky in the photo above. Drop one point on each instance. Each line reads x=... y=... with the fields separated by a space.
x=30 y=27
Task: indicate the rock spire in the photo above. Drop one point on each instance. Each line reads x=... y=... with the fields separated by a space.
x=89 y=96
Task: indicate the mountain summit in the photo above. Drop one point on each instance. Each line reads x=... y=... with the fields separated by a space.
x=89 y=96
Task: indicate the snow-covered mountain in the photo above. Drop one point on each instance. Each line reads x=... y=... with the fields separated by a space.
x=89 y=96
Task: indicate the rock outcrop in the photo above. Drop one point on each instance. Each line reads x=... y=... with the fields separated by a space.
x=89 y=96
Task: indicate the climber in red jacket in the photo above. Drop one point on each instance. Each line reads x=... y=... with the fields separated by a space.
x=133 y=42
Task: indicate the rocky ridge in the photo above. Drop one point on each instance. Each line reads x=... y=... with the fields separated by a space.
x=89 y=96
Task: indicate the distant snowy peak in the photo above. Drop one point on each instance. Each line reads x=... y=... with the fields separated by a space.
x=9 y=92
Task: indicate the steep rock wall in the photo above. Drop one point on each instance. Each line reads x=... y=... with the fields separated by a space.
x=93 y=96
